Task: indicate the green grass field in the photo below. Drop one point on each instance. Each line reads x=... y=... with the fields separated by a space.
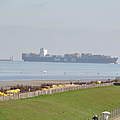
x=74 y=105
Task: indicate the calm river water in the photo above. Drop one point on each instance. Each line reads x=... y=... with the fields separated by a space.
x=19 y=70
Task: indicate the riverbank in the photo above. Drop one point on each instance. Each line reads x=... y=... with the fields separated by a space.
x=26 y=89
x=5 y=84
x=79 y=104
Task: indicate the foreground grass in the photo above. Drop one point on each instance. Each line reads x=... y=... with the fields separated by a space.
x=74 y=105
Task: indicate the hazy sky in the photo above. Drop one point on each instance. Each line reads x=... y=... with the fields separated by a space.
x=62 y=26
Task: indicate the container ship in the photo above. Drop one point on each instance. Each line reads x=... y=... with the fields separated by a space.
x=43 y=56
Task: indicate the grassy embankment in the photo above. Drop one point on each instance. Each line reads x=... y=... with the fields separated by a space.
x=74 y=105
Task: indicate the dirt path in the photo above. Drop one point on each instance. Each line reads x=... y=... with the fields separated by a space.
x=118 y=118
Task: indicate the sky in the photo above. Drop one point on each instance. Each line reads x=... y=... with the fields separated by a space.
x=61 y=26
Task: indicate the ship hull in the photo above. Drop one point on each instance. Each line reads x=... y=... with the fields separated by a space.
x=68 y=60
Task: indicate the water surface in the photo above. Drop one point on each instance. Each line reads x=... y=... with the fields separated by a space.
x=19 y=70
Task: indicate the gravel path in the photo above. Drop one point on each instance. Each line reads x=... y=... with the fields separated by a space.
x=5 y=84
x=117 y=118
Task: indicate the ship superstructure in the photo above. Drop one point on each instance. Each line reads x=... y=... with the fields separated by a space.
x=43 y=56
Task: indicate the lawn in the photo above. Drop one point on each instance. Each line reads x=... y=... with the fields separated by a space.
x=73 y=105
